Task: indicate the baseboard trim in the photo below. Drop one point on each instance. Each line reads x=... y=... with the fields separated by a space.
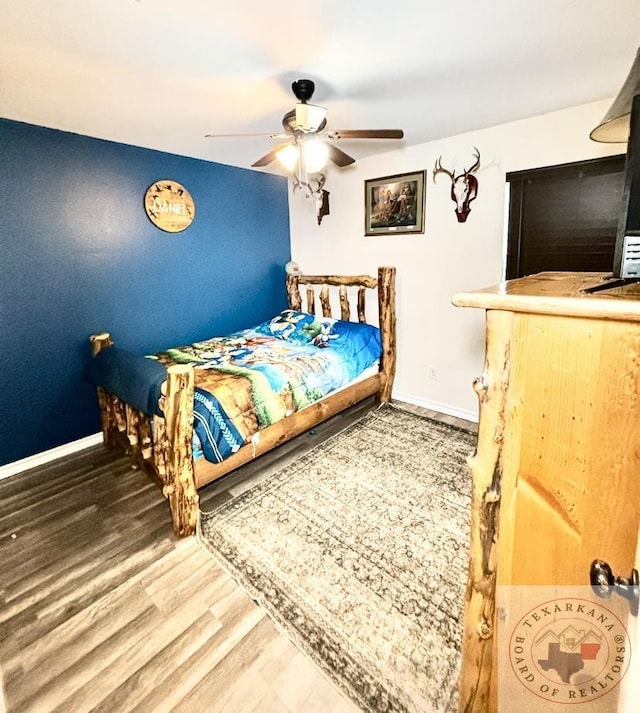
x=435 y=406
x=19 y=466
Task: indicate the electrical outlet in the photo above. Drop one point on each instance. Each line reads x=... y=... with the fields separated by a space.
x=432 y=374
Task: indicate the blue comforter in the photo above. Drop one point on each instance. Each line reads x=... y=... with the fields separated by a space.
x=253 y=378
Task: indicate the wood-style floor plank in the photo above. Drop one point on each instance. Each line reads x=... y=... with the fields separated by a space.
x=113 y=673
x=152 y=674
x=103 y=609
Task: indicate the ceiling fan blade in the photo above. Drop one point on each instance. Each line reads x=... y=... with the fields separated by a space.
x=269 y=157
x=235 y=136
x=266 y=159
x=366 y=134
x=339 y=157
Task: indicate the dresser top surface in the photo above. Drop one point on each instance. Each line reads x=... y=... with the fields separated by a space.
x=561 y=293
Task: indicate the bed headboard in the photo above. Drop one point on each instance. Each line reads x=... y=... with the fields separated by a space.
x=325 y=283
x=385 y=284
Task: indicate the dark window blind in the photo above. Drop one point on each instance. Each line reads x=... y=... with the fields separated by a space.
x=564 y=217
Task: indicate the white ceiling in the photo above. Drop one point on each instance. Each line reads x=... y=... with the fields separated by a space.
x=161 y=74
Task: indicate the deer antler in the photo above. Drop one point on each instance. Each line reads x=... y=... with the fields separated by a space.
x=439 y=169
x=476 y=165
x=320 y=179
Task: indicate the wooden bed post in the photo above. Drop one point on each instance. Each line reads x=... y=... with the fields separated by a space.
x=293 y=292
x=180 y=487
x=387 y=316
x=99 y=342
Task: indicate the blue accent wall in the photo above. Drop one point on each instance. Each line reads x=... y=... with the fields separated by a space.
x=79 y=255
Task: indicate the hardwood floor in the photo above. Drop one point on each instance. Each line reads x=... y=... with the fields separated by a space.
x=102 y=609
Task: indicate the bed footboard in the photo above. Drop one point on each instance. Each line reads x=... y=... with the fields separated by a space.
x=160 y=446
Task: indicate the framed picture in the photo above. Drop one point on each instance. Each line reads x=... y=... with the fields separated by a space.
x=394 y=204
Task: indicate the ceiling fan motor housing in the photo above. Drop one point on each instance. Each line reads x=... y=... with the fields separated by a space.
x=308 y=118
x=303 y=89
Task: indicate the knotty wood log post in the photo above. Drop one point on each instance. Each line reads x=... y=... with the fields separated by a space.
x=325 y=301
x=159 y=448
x=311 y=301
x=98 y=342
x=118 y=416
x=478 y=678
x=180 y=487
x=387 y=317
x=361 y=305
x=132 y=424
x=293 y=292
x=345 y=311
x=144 y=436
x=138 y=430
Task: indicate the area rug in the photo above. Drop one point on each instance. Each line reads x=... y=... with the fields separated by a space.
x=359 y=551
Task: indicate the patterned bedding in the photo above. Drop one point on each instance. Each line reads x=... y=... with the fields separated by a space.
x=253 y=378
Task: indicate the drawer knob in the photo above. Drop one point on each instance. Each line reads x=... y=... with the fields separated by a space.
x=604 y=583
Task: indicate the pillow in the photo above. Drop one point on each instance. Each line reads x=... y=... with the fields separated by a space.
x=357 y=343
x=134 y=379
x=292 y=326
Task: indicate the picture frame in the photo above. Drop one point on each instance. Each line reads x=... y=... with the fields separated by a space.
x=394 y=205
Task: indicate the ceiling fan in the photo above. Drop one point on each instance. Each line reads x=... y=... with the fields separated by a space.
x=304 y=129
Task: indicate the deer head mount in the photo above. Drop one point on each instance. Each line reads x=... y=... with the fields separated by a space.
x=314 y=188
x=464 y=186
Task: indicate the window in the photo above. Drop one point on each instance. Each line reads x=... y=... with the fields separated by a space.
x=564 y=217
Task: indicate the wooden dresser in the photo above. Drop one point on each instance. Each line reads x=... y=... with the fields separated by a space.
x=556 y=475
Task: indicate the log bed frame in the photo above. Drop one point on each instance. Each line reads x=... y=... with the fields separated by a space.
x=167 y=455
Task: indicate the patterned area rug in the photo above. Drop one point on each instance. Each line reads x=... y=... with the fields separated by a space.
x=359 y=551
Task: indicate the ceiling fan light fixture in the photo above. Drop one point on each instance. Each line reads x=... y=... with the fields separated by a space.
x=315 y=155
x=288 y=157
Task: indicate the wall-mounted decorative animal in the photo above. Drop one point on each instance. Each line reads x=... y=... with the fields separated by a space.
x=464 y=186
x=317 y=192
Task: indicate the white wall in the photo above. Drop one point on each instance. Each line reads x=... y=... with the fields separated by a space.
x=450 y=256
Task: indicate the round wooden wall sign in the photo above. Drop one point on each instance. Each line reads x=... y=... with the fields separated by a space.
x=169 y=205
